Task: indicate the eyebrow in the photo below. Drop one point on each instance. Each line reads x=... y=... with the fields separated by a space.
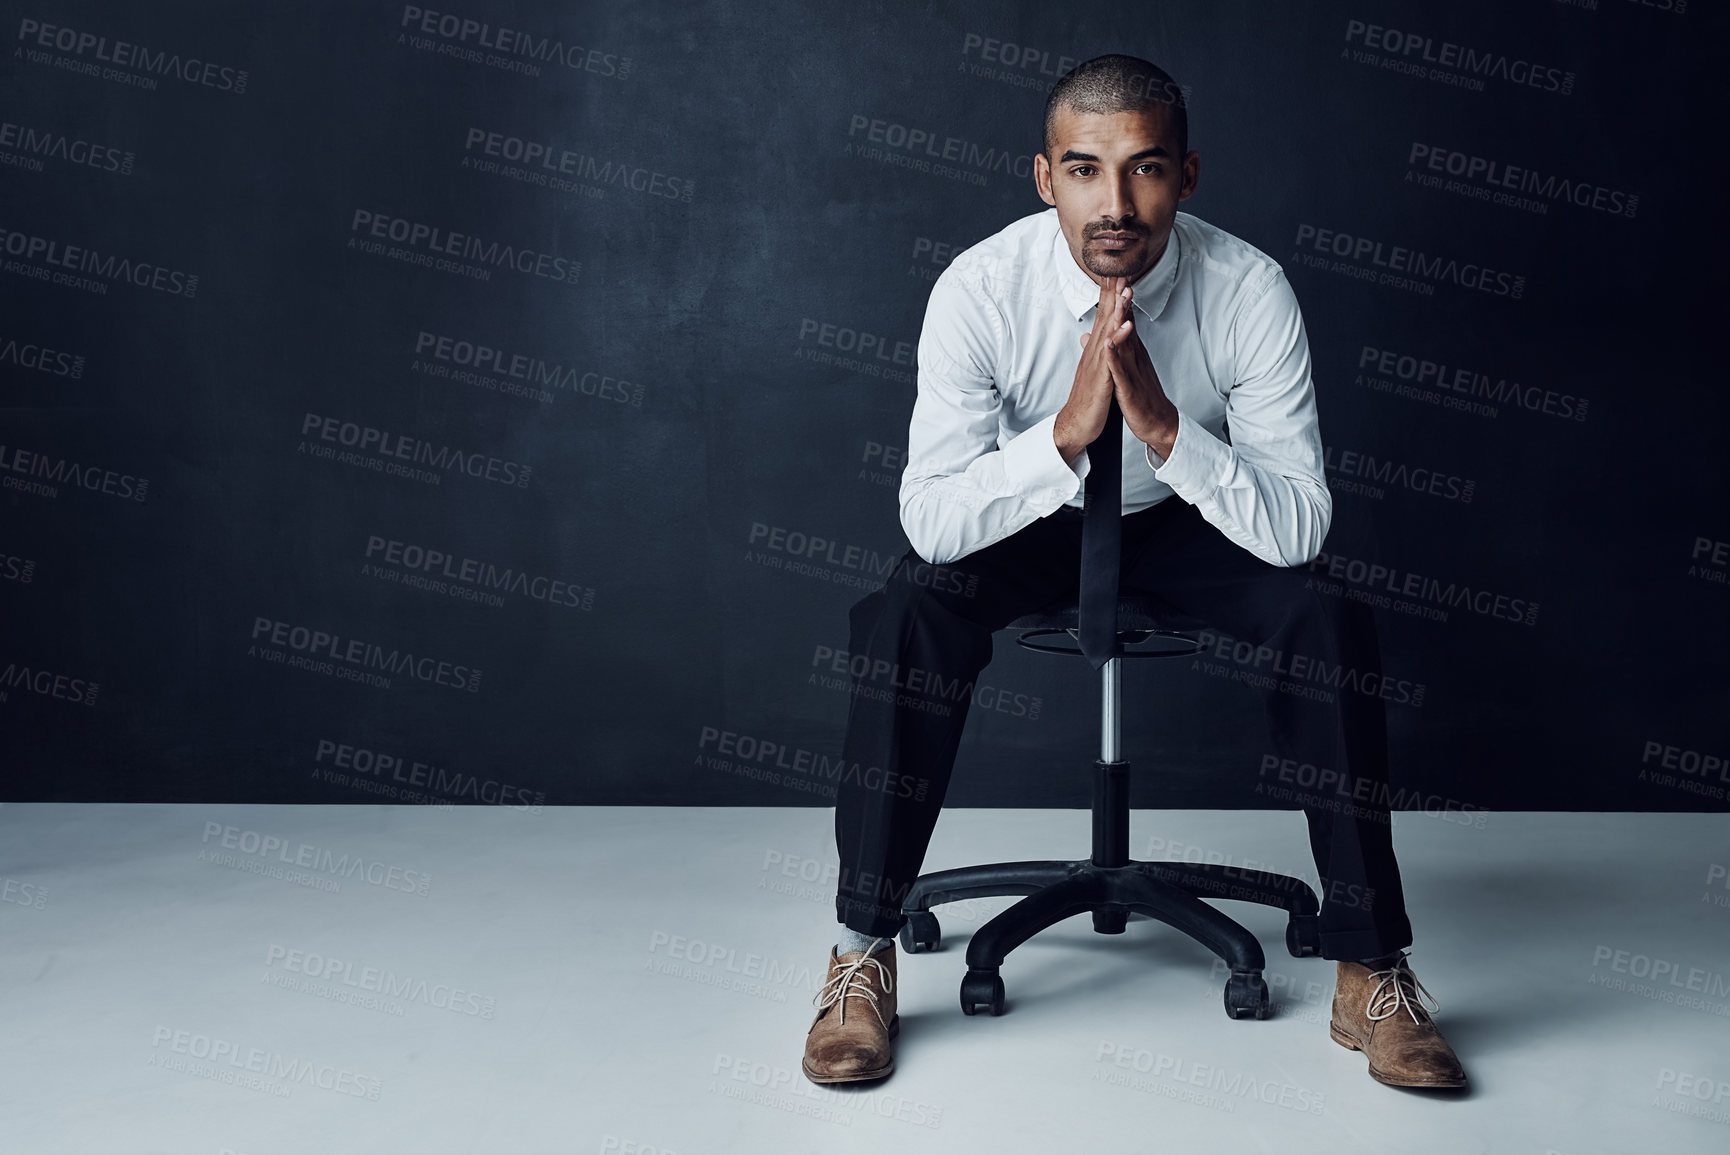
x=1070 y=154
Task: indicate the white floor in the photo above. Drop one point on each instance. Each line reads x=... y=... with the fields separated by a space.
x=273 y=980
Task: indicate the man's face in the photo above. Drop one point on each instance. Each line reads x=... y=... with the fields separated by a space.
x=1116 y=180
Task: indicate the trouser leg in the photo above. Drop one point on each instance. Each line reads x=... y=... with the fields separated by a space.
x=917 y=646
x=1316 y=661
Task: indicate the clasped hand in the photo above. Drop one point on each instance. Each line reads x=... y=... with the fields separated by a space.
x=1147 y=411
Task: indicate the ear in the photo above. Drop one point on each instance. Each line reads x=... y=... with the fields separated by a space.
x=1042 y=179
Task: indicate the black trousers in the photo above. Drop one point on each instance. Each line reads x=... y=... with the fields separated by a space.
x=918 y=644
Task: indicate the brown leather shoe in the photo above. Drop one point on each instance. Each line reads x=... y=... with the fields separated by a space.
x=849 y=1040
x=1381 y=1013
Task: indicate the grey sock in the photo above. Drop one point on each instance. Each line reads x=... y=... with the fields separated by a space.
x=1383 y=963
x=851 y=941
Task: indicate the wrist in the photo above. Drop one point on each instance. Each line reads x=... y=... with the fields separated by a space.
x=1067 y=446
x=1163 y=436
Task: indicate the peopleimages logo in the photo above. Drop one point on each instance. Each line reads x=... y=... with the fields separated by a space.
x=1460 y=64
x=367 y=439
x=926 y=149
x=40 y=358
x=47 y=683
x=311 y=856
x=17 y=569
x=511 y=46
x=764 y=754
x=438 y=568
x=1502 y=181
x=323 y=649
x=342 y=972
x=35 y=145
x=797 y=544
x=1439 y=379
x=544 y=160
x=530 y=370
x=359 y=764
x=1231 y=1086
x=1353 y=463
x=1387 y=263
x=430 y=241
x=171 y=1048
x=98 y=269
x=56 y=471
x=1423 y=588
x=121 y=54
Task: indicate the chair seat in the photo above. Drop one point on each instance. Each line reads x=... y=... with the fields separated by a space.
x=1133 y=613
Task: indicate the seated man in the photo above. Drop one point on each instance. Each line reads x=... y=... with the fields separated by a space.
x=1016 y=381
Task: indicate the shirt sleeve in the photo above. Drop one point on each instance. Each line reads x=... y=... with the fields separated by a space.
x=1265 y=488
x=960 y=492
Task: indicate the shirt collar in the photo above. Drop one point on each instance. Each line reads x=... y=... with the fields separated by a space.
x=1152 y=288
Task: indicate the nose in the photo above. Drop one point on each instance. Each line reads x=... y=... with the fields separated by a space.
x=1118 y=206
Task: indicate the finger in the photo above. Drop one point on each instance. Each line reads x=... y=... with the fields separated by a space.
x=1119 y=379
x=1104 y=314
x=1116 y=312
x=1114 y=359
x=1118 y=336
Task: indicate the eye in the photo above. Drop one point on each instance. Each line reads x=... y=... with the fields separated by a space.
x=1078 y=170
x=1151 y=165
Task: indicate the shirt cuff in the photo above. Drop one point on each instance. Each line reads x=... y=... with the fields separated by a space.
x=1197 y=463
x=1036 y=470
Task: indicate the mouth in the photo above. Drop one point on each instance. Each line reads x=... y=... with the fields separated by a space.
x=1115 y=242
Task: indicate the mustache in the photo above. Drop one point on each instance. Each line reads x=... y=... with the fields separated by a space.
x=1096 y=228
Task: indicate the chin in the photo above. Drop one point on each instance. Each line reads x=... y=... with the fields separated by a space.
x=1102 y=264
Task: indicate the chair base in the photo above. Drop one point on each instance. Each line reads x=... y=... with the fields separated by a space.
x=1168 y=891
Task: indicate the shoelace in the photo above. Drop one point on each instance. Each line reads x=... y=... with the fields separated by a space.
x=1385 y=1002
x=842 y=983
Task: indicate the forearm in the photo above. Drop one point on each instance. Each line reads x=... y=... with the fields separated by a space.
x=950 y=514
x=1162 y=438
x=947 y=519
x=1067 y=436
x=1278 y=507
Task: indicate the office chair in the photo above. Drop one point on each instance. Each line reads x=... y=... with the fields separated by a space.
x=1109 y=883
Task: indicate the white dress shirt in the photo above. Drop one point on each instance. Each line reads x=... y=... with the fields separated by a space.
x=997 y=358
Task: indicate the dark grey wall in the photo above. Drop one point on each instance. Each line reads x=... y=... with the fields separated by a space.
x=194 y=293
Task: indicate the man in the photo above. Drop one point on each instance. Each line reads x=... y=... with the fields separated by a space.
x=1198 y=337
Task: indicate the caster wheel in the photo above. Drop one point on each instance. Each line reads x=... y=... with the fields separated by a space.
x=982 y=988
x=1110 y=919
x=920 y=932
x=1303 y=936
x=1246 y=995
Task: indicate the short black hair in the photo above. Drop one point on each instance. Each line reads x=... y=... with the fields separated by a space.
x=1117 y=83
